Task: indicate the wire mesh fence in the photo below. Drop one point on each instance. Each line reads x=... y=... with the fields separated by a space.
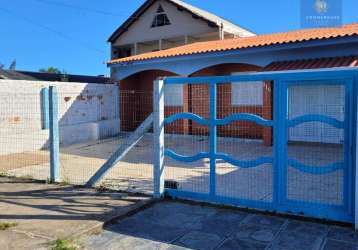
x=311 y=173
x=316 y=144
x=245 y=141
x=134 y=172
x=90 y=131
x=23 y=141
x=241 y=140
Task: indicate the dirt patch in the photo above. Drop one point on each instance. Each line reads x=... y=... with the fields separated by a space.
x=19 y=160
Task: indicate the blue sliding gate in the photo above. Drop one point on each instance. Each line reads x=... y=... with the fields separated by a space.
x=310 y=169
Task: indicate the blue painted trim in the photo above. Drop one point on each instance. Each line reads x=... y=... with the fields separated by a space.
x=245 y=117
x=298 y=75
x=54 y=135
x=170 y=153
x=219 y=156
x=353 y=141
x=348 y=131
x=244 y=164
x=213 y=137
x=220 y=199
x=315 y=169
x=232 y=118
x=45 y=108
x=276 y=144
x=282 y=140
x=185 y=115
x=315 y=118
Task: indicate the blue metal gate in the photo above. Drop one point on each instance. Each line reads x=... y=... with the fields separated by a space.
x=309 y=171
x=316 y=177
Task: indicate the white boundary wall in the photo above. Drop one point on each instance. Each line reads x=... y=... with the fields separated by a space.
x=87 y=112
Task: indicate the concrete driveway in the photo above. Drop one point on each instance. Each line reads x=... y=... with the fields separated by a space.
x=44 y=213
x=175 y=225
x=134 y=173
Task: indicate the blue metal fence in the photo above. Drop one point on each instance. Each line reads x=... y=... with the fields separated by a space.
x=282 y=163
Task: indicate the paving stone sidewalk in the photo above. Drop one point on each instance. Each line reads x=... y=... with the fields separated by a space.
x=177 y=225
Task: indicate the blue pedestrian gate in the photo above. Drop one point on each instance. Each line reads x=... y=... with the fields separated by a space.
x=309 y=169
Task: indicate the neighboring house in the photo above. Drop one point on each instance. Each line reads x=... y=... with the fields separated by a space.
x=294 y=50
x=51 y=77
x=164 y=24
x=14 y=75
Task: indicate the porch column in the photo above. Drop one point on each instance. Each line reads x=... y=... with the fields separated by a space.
x=160 y=44
x=135 y=48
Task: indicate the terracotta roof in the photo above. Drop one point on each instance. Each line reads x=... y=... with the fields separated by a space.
x=319 y=63
x=248 y=42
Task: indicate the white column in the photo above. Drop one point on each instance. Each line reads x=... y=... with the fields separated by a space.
x=221 y=32
x=158 y=125
x=186 y=39
x=135 y=48
x=160 y=44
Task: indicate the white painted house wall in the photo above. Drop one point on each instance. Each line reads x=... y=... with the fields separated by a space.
x=86 y=112
x=182 y=23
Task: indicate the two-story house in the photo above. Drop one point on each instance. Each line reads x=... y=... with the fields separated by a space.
x=164 y=24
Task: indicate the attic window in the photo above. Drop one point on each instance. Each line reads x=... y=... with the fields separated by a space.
x=160 y=19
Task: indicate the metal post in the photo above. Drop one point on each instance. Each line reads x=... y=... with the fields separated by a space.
x=45 y=108
x=158 y=124
x=54 y=136
x=213 y=134
x=355 y=157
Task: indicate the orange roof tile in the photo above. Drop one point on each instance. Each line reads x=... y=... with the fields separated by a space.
x=247 y=42
x=319 y=63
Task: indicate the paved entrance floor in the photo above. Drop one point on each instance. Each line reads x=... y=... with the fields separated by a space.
x=44 y=213
x=176 y=225
x=134 y=173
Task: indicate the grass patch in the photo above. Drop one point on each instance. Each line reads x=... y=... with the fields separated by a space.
x=64 y=183
x=61 y=244
x=3 y=174
x=6 y=225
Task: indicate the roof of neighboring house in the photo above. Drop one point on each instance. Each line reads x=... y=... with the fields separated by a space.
x=318 y=63
x=38 y=76
x=207 y=16
x=296 y=36
x=14 y=75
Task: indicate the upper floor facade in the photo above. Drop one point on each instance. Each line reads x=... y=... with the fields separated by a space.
x=164 y=24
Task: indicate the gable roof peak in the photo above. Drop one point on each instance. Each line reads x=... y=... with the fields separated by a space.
x=205 y=15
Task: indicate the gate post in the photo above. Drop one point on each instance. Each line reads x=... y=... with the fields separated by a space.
x=355 y=143
x=45 y=108
x=54 y=136
x=158 y=125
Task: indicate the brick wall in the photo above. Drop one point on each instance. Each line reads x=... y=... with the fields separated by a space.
x=136 y=104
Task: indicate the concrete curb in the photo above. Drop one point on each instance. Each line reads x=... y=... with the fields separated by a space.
x=120 y=214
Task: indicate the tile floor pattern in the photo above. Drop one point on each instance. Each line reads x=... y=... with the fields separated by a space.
x=175 y=225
